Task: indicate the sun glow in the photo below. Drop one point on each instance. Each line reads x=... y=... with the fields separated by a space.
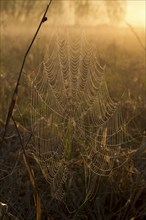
x=136 y=12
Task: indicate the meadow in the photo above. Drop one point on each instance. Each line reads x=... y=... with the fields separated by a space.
x=77 y=146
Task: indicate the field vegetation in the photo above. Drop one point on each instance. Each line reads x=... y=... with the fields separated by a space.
x=75 y=147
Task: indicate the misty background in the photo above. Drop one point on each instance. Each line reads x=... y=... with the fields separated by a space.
x=71 y=12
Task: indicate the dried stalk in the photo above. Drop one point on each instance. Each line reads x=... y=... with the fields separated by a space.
x=136 y=35
x=15 y=93
x=37 y=198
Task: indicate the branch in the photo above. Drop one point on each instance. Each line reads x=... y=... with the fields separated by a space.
x=15 y=93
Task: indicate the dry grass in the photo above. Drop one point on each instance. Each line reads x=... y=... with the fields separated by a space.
x=121 y=195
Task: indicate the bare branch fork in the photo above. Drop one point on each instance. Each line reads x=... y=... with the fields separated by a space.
x=15 y=93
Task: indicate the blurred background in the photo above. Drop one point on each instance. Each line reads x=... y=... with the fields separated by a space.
x=73 y=12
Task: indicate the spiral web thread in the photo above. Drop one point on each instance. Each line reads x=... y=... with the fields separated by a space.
x=72 y=110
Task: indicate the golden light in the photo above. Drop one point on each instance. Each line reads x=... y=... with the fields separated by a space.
x=136 y=12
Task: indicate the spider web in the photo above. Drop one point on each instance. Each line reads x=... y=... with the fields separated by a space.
x=73 y=116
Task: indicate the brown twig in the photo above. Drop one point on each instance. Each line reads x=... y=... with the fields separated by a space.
x=15 y=93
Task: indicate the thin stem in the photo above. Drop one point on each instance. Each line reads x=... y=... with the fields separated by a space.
x=21 y=142
x=136 y=35
x=29 y=169
x=15 y=93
